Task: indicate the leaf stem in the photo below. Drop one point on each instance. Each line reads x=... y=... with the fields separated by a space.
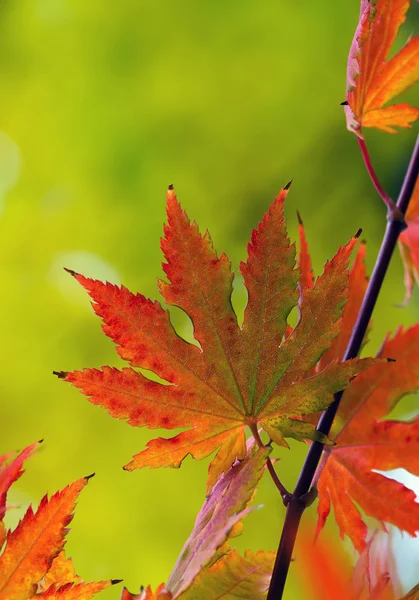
x=392 y=207
x=282 y=489
x=296 y=505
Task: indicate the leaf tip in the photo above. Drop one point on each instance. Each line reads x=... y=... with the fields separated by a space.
x=40 y=441
x=344 y=103
x=60 y=374
x=358 y=234
x=87 y=477
x=288 y=185
x=300 y=221
x=115 y=581
x=170 y=194
x=391 y=360
x=72 y=273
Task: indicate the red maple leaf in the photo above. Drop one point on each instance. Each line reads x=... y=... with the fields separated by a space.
x=364 y=440
x=238 y=376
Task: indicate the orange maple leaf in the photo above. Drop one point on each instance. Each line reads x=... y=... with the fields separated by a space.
x=61 y=571
x=373 y=81
x=364 y=441
x=32 y=564
x=238 y=376
x=327 y=574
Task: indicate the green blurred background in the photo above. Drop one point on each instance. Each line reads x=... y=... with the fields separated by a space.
x=102 y=105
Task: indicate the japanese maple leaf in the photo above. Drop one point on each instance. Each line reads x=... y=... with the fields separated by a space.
x=364 y=441
x=409 y=244
x=33 y=564
x=208 y=567
x=238 y=376
x=373 y=81
x=357 y=286
x=325 y=570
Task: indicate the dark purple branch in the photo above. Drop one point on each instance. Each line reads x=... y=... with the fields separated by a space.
x=296 y=505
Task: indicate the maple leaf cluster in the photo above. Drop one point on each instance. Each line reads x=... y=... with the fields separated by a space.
x=33 y=563
x=282 y=376
x=237 y=382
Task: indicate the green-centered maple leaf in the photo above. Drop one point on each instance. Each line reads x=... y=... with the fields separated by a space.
x=373 y=81
x=208 y=567
x=33 y=564
x=364 y=440
x=239 y=376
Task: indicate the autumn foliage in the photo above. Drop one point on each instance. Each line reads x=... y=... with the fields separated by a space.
x=373 y=80
x=239 y=390
x=253 y=375
x=33 y=563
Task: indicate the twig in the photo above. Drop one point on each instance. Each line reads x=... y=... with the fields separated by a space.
x=296 y=505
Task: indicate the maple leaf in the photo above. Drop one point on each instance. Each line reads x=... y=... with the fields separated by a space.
x=33 y=564
x=219 y=518
x=10 y=471
x=325 y=570
x=74 y=591
x=207 y=566
x=409 y=244
x=357 y=286
x=373 y=81
x=62 y=571
x=234 y=577
x=239 y=376
x=365 y=442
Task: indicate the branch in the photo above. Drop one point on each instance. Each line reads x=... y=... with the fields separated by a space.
x=296 y=505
